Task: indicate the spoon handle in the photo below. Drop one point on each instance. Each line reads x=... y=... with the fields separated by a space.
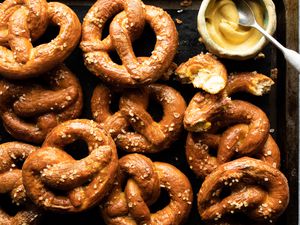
x=291 y=56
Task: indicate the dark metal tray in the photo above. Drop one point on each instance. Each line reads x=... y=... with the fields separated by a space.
x=281 y=105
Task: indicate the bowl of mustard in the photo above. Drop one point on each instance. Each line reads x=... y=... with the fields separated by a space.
x=223 y=36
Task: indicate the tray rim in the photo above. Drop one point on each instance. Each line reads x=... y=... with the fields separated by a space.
x=292 y=88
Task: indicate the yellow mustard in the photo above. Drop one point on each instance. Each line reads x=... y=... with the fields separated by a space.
x=222 y=24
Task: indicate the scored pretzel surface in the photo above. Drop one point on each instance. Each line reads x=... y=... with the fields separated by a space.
x=125 y=27
x=253 y=188
x=148 y=136
x=143 y=181
x=11 y=153
x=23 y=22
x=82 y=183
x=29 y=110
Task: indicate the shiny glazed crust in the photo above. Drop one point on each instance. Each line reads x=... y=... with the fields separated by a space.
x=126 y=26
x=256 y=189
x=143 y=181
x=11 y=184
x=200 y=145
x=149 y=136
x=23 y=21
x=84 y=182
x=30 y=110
x=231 y=128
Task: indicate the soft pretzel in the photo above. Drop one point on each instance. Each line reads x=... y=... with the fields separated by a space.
x=22 y=22
x=143 y=180
x=200 y=145
x=203 y=71
x=30 y=110
x=148 y=136
x=11 y=153
x=126 y=26
x=253 y=188
x=210 y=113
x=204 y=107
x=82 y=183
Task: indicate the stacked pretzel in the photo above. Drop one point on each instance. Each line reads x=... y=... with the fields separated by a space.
x=37 y=93
x=41 y=101
x=242 y=177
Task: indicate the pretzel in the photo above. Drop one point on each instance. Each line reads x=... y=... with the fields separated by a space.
x=11 y=183
x=24 y=21
x=203 y=71
x=143 y=180
x=148 y=136
x=125 y=27
x=210 y=113
x=204 y=107
x=82 y=183
x=253 y=188
x=200 y=145
x=30 y=110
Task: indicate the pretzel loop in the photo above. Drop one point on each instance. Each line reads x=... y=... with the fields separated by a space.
x=256 y=189
x=21 y=23
x=96 y=19
x=246 y=126
x=43 y=106
x=11 y=183
x=23 y=18
x=143 y=182
x=148 y=135
x=212 y=112
x=83 y=182
x=124 y=28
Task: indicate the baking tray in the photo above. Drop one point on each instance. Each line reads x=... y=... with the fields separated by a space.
x=281 y=105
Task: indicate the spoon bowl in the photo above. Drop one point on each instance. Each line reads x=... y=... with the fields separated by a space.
x=247 y=18
x=246 y=15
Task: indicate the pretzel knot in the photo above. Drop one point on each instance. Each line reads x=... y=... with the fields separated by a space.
x=29 y=110
x=199 y=146
x=247 y=186
x=143 y=180
x=56 y=181
x=210 y=113
x=22 y=22
x=126 y=26
x=148 y=136
x=11 y=154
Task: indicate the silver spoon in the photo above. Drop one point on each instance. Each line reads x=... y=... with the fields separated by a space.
x=247 y=19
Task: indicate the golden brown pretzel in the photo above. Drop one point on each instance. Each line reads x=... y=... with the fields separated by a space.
x=209 y=113
x=200 y=145
x=143 y=180
x=11 y=153
x=253 y=188
x=24 y=21
x=124 y=28
x=148 y=136
x=30 y=110
x=83 y=183
x=204 y=107
x=203 y=71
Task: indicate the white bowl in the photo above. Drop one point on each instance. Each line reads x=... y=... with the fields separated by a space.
x=243 y=53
